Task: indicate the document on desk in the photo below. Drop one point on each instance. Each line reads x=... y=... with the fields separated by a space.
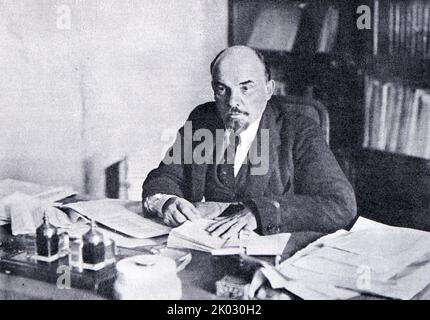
x=270 y=245
x=81 y=227
x=38 y=191
x=193 y=235
x=25 y=213
x=115 y=215
x=381 y=260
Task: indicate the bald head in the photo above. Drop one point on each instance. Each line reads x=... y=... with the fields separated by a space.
x=245 y=55
x=241 y=85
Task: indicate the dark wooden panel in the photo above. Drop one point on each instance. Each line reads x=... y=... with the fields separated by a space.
x=393 y=188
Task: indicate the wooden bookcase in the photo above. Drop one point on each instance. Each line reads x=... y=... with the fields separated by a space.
x=390 y=186
x=393 y=170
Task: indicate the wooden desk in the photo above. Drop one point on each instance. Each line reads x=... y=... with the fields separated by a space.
x=198 y=278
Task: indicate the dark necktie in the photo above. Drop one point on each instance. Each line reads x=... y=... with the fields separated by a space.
x=226 y=167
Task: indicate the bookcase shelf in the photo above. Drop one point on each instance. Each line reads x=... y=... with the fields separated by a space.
x=414 y=72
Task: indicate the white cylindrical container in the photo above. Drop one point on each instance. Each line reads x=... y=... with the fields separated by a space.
x=147 y=277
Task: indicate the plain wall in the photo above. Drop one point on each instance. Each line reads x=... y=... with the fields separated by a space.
x=74 y=100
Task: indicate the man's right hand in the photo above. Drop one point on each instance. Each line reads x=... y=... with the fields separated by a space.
x=178 y=210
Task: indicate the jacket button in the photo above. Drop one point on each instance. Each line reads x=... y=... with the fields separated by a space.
x=273 y=228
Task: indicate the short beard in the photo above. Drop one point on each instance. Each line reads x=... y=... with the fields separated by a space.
x=237 y=125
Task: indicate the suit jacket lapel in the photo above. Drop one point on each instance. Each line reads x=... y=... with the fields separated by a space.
x=258 y=178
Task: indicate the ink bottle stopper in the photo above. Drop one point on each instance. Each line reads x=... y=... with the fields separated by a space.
x=93 y=251
x=47 y=239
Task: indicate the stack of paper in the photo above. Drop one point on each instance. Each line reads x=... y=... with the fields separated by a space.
x=38 y=191
x=25 y=213
x=384 y=261
x=115 y=215
x=78 y=229
x=193 y=235
x=24 y=203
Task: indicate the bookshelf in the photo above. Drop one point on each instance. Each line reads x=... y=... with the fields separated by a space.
x=393 y=163
x=397 y=78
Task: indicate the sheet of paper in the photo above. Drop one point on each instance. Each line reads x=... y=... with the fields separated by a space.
x=267 y=245
x=194 y=234
x=399 y=247
x=364 y=223
x=381 y=266
x=311 y=286
x=404 y=288
x=253 y=244
x=79 y=228
x=115 y=215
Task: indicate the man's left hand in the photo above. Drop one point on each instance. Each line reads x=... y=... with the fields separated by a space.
x=230 y=226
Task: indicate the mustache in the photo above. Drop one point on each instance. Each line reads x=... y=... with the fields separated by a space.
x=235 y=110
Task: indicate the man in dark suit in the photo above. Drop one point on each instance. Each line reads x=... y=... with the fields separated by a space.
x=270 y=169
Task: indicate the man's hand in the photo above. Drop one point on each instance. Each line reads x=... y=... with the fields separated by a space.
x=230 y=226
x=178 y=210
x=211 y=209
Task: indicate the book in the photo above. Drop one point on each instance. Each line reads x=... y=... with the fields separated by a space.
x=423 y=124
x=367 y=111
x=375 y=118
x=329 y=30
x=276 y=27
x=396 y=116
x=404 y=120
x=388 y=106
x=412 y=123
x=375 y=26
x=426 y=28
x=391 y=28
x=397 y=26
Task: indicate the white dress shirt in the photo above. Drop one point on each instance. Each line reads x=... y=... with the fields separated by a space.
x=155 y=203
